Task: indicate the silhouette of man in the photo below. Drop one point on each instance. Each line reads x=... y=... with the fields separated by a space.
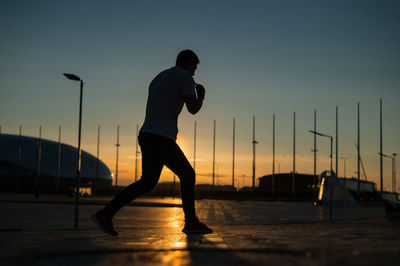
x=168 y=92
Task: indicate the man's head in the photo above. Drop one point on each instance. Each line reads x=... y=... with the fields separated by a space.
x=187 y=60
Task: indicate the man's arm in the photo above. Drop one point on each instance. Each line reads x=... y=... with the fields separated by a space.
x=194 y=104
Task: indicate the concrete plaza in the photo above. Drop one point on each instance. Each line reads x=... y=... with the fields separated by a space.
x=245 y=233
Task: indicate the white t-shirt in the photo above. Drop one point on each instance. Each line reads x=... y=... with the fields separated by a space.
x=165 y=101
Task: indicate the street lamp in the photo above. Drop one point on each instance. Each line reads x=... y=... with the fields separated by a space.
x=78 y=170
x=331 y=178
x=393 y=157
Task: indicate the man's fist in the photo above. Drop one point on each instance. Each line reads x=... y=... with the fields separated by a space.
x=200 y=91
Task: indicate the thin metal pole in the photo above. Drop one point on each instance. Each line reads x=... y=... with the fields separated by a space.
x=393 y=176
x=136 y=153
x=273 y=155
x=254 y=151
x=315 y=156
x=358 y=150
x=381 y=143
x=213 y=170
x=58 y=160
x=194 y=146
x=1 y=176
x=116 y=161
x=294 y=156
x=98 y=152
x=337 y=144
x=233 y=154
x=78 y=171
x=96 y=182
x=331 y=184
x=19 y=158
x=39 y=156
x=394 y=171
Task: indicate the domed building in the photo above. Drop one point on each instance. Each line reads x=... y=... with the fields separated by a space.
x=28 y=163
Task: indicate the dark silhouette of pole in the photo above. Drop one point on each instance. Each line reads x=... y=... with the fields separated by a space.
x=381 y=143
x=273 y=156
x=358 y=150
x=136 y=152
x=393 y=157
x=19 y=159
x=394 y=172
x=39 y=156
x=337 y=143
x=233 y=155
x=1 y=176
x=331 y=184
x=213 y=170
x=194 y=146
x=78 y=171
x=315 y=157
x=116 y=161
x=254 y=152
x=58 y=160
x=294 y=156
x=96 y=182
x=98 y=152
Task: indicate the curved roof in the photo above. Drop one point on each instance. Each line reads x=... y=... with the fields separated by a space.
x=49 y=155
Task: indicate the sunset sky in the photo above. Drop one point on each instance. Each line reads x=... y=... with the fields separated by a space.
x=256 y=58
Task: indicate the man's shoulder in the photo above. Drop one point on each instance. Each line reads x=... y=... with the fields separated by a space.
x=180 y=71
x=174 y=76
x=175 y=71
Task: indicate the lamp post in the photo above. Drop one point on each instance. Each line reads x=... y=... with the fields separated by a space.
x=394 y=171
x=254 y=142
x=331 y=177
x=78 y=170
x=116 y=160
x=136 y=152
x=393 y=157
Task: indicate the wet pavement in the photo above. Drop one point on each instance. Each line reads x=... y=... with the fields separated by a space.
x=245 y=233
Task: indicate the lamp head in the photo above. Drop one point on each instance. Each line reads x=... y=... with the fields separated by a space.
x=72 y=77
x=317 y=133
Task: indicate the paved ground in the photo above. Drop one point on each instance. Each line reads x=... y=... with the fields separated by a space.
x=246 y=233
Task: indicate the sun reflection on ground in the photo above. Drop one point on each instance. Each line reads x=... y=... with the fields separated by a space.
x=176 y=218
x=179 y=245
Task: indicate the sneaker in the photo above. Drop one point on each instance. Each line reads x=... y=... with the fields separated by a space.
x=104 y=222
x=196 y=227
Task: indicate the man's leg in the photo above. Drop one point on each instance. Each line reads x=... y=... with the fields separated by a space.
x=177 y=162
x=152 y=163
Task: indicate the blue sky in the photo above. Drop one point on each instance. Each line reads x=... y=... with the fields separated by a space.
x=256 y=58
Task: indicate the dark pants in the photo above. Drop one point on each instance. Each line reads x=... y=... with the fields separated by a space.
x=158 y=151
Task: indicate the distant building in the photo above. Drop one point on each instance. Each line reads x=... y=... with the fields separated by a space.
x=22 y=173
x=367 y=189
x=351 y=184
x=304 y=186
x=283 y=184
